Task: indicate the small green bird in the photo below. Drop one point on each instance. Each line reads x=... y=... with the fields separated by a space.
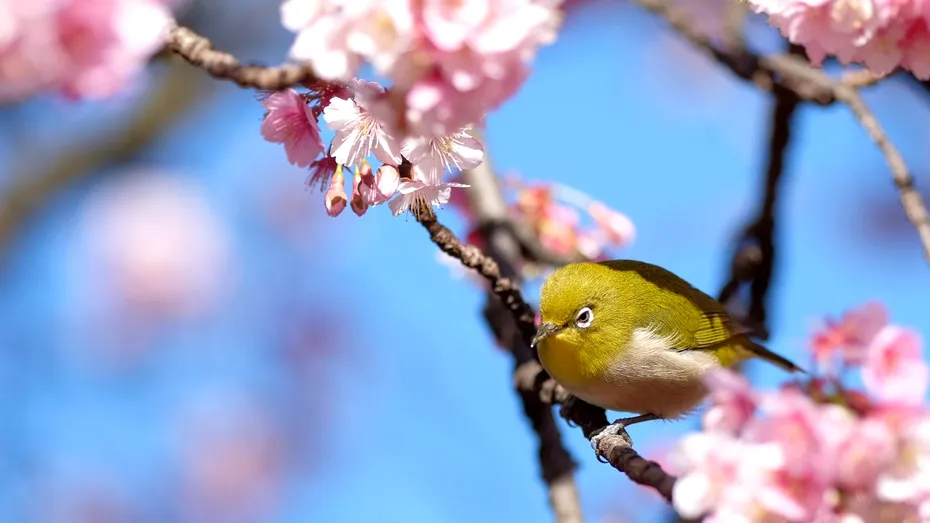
x=633 y=337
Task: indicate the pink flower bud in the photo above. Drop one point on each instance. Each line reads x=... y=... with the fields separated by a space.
x=387 y=181
x=358 y=204
x=379 y=188
x=335 y=199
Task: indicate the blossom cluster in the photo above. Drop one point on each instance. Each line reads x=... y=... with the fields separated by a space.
x=881 y=34
x=448 y=62
x=81 y=48
x=291 y=119
x=817 y=451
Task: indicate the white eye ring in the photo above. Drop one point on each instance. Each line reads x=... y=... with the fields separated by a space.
x=584 y=318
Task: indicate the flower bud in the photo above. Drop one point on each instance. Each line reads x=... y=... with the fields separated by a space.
x=335 y=199
x=358 y=204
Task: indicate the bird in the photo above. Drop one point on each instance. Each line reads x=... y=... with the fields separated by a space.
x=631 y=336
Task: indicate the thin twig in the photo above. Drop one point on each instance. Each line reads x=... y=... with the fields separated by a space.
x=911 y=200
x=796 y=74
x=754 y=258
x=764 y=72
x=863 y=78
x=199 y=51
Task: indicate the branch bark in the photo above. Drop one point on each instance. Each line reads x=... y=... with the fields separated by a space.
x=199 y=52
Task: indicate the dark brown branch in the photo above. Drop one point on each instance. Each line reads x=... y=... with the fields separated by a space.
x=754 y=259
x=473 y=258
x=198 y=50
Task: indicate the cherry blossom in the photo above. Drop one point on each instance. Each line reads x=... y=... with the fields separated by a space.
x=162 y=250
x=359 y=134
x=907 y=478
x=734 y=402
x=459 y=151
x=808 y=452
x=847 y=340
x=80 y=48
x=448 y=63
x=881 y=34
x=618 y=227
x=335 y=199
x=553 y=212
x=357 y=203
x=426 y=189
x=290 y=121
x=378 y=188
x=894 y=370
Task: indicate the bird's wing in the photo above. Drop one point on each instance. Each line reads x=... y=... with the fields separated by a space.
x=707 y=327
x=702 y=331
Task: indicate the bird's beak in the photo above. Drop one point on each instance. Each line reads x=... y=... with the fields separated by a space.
x=544 y=331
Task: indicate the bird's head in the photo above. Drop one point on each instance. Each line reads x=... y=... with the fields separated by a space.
x=575 y=307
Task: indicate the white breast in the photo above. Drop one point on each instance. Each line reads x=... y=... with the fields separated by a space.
x=651 y=378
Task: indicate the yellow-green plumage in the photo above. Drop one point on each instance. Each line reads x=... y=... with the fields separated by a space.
x=651 y=339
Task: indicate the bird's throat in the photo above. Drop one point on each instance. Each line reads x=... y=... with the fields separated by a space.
x=570 y=366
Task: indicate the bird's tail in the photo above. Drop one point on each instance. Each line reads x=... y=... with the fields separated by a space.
x=761 y=352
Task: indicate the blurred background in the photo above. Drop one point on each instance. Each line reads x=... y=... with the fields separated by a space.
x=185 y=336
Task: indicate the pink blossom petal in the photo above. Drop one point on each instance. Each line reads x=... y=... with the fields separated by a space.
x=895 y=370
x=291 y=122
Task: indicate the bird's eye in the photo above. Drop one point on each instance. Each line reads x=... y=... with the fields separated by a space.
x=584 y=318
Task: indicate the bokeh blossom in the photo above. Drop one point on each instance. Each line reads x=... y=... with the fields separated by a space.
x=160 y=248
x=844 y=342
x=810 y=453
x=449 y=62
x=881 y=34
x=554 y=214
x=80 y=48
x=564 y=221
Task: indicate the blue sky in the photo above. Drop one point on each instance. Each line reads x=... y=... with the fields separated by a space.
x=420 y=424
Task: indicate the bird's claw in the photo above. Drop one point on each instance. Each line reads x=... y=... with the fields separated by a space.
x=617 y=428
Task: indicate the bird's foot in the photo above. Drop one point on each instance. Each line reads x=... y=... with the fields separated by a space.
x=618 y=428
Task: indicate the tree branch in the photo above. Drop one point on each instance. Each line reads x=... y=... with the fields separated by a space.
x=779 y=73
x=198 y=50
x=754 y=258
x=911 y=200
x=794 y=74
